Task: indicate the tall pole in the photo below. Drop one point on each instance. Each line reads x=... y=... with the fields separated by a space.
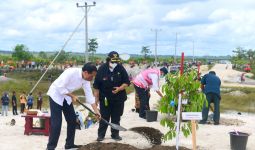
x=86 y=27
x=193 y=50
x=156 y=45
x=175 y=46
x=86 y=34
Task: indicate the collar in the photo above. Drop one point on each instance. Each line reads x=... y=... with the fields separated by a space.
x=80 y=74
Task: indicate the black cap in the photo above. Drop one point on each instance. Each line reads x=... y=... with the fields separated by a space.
x=164 y=70
x=114 y=56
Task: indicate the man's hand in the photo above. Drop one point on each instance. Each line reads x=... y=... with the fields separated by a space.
x=116 y=90
x=96 y=110
x=98 y=115
x=74 y=98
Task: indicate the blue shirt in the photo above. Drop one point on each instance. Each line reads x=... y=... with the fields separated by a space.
x=212 y=84
x=5 y=100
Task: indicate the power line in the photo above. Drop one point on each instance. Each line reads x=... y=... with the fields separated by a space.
x=63 y=47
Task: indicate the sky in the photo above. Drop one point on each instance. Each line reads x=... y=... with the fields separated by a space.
x=216 y=27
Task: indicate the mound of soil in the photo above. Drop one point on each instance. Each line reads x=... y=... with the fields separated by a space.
x=151 y=134
x=120 y=146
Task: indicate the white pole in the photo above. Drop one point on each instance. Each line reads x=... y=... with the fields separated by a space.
x=175 y=47
x=86 y=28
x=178 y=121
x=86 y=33
x=193 y=50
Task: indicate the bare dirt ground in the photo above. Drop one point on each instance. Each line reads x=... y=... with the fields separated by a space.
x=208 y=136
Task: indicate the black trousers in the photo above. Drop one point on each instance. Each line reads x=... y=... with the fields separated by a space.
x=144 y=98
x=29 y=106
x=14 y=110
x=39 y=104
x=113 y=110
x=22 y=107
x=56 y=122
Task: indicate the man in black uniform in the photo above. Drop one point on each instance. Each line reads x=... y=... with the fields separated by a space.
x=110 y=83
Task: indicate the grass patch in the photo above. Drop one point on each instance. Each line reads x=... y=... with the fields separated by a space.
x=242 y=103
x=23 y=85
x=210 y=66
x=24 y=81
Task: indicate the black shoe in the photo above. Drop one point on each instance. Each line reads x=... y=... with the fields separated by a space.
x=202 y=122
x=144 y=117
x=99 y=139
x=117 y=138
x=73 y=147
x=216 y=123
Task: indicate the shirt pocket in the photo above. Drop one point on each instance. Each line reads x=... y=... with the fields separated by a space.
x=117 y=78
x=106 y=82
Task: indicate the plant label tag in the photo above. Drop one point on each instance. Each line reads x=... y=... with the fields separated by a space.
x=192 y=115
x=184 y=101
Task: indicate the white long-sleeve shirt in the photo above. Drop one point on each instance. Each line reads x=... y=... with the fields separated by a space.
x=69 y=81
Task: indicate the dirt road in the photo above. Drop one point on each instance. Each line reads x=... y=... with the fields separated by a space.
x=228 y=76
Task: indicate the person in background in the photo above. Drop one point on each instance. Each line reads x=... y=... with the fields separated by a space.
x=210 y=85
x=14 y=103
x=242 y=77
x=110 y=84
x=23 y=101
x=39 y=101
x=30 y=101
x=5 y=104
x=145 y=80
x=61 y=99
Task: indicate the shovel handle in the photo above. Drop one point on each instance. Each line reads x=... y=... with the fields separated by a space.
x=91 y=111
x=114 y=126
x=86 y=107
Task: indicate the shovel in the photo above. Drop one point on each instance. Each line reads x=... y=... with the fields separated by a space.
x=114 y=126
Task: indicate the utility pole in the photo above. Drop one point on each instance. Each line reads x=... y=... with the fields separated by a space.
x=156 y=40
x=86 y=27
x=175 y=46
x=193 y=50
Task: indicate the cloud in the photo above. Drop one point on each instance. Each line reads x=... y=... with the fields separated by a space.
x=178 y=15
x=125 y=25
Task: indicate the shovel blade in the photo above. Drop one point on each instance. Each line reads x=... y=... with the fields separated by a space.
x=117 y=127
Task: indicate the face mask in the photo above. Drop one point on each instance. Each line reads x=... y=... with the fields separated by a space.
x=112 y=65
x=161 y=76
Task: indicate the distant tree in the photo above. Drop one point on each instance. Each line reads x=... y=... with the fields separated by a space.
x=42 y=55
x=240 y=53
x=21 y=52
x=62 y=57
x=145 y=51
x=93 y=45
x=251 y=55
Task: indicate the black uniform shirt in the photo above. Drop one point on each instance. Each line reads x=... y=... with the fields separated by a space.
x=105 y=81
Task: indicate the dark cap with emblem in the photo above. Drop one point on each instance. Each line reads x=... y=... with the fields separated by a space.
x=114 y=56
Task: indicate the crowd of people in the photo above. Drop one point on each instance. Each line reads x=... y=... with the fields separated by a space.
x=107 y=97
x=25 y=102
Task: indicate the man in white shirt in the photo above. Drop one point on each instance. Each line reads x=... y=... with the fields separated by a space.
x=61 y=97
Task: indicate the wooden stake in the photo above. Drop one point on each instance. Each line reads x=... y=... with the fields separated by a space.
x=193 y=125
